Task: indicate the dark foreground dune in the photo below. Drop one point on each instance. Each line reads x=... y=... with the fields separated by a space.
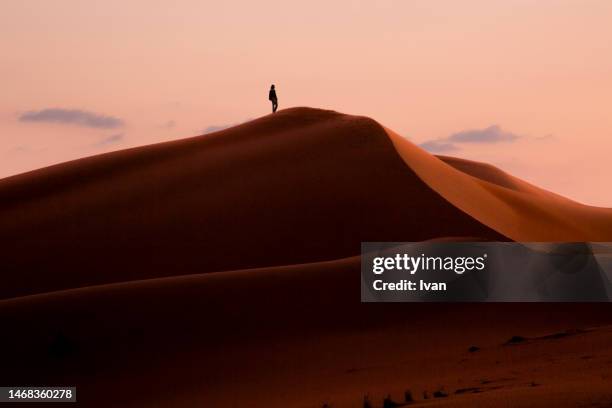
x=223 y=271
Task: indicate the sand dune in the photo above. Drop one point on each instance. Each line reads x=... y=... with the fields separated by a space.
x=230 y=200
x=222 y=270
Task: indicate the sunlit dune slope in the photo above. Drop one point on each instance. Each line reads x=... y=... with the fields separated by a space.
x=510 y=206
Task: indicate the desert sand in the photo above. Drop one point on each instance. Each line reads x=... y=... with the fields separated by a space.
x=223 y=271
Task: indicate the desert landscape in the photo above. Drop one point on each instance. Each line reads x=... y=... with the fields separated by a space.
x=223 y=270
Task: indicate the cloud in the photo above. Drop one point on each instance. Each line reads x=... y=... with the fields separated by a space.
x=439 y=146
x=216 y=128
x=116 y=138
x=72 y=117
x=492 y=134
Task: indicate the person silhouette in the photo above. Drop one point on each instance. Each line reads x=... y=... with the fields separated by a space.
x=272 y=97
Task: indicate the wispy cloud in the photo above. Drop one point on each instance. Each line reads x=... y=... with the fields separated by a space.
x=216 y=128
x=492 y=134
x=489 y=135
x=112 y=139
x=439 y=146
x=73 y=117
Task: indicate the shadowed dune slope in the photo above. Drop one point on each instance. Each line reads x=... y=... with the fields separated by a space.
x=302 y=185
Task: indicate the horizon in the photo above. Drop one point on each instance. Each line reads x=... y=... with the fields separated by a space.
x=522 y=86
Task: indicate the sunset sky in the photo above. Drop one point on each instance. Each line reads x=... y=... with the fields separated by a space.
x=524 y=85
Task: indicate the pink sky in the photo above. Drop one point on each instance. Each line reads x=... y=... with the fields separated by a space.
x=540 y=70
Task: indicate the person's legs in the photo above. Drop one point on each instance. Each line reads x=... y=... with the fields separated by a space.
x=274 y=105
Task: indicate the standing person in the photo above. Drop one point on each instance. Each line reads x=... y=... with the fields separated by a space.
x=272 y=97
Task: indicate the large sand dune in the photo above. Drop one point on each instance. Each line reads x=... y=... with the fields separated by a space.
x=223 y=270
x=301 y=186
